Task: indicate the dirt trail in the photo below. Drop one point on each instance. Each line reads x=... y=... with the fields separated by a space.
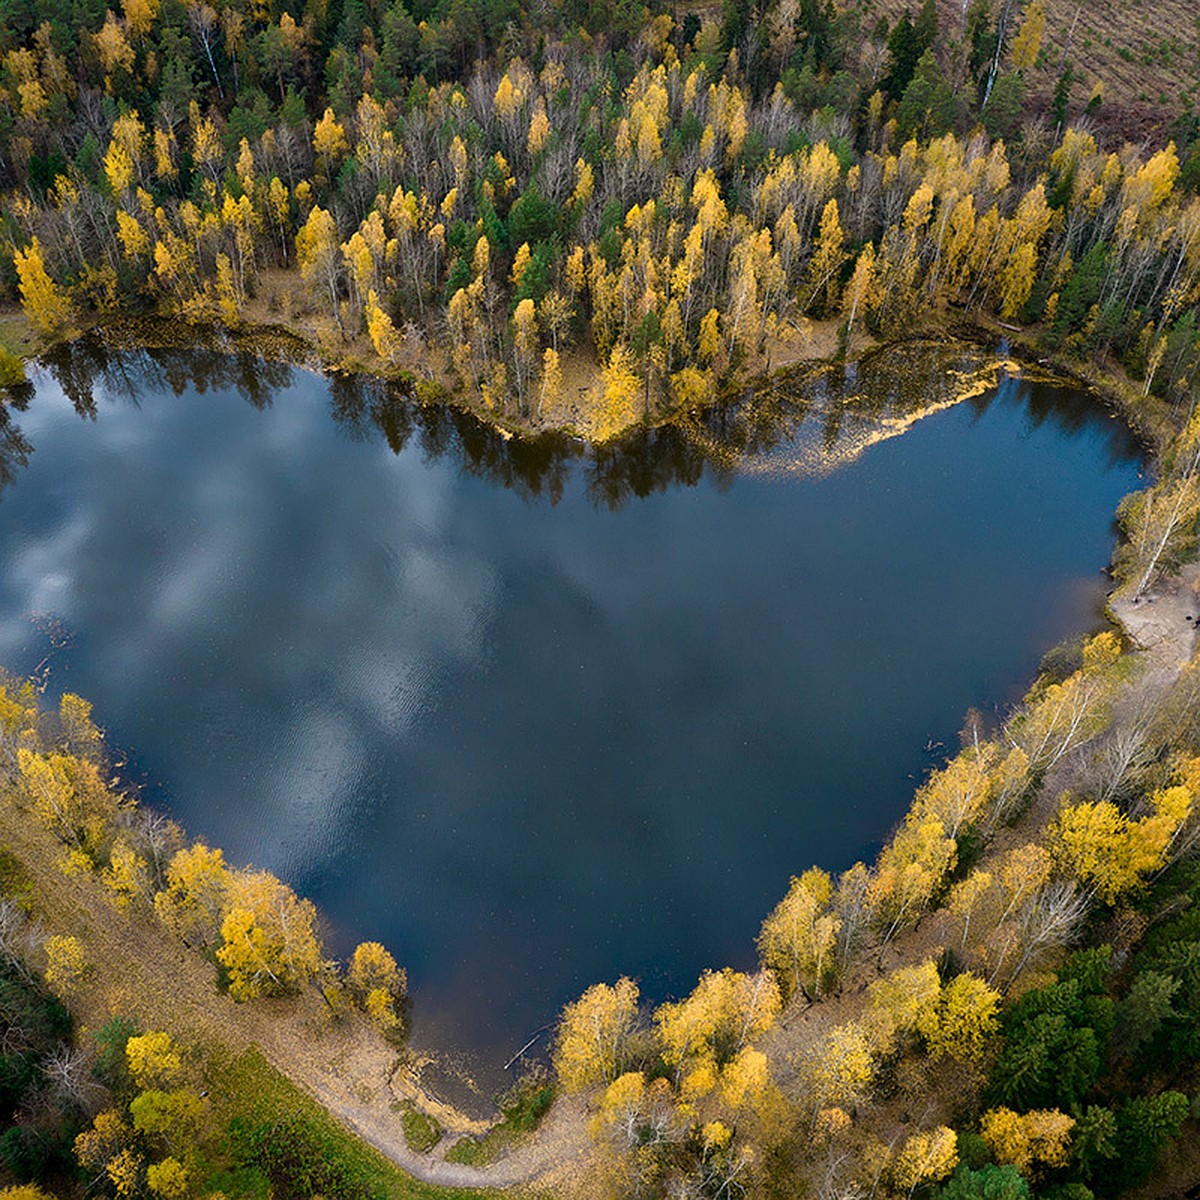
x=142 y=971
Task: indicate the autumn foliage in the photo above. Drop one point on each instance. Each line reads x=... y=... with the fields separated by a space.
x=264 y=937
x=672 y=214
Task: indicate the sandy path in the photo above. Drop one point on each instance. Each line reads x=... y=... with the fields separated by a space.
x=141 y=970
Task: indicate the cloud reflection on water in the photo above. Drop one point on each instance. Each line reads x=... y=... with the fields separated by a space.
x=487 y=708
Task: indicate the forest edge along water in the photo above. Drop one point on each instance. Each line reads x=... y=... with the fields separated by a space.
x=754 y=454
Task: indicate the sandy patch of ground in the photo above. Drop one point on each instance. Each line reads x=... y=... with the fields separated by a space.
x=1163 y=623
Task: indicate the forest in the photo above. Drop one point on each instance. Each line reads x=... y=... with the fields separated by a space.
x=588 y=216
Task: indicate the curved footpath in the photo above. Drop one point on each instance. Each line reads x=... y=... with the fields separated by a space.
x=142 y=971
x=560 y=1143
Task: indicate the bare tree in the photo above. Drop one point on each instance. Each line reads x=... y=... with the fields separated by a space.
x=1121 y=758
x=16 y=935
x=202 y=18
x=1002 y=19
x=1052 y=920
x=68 y=1071
x=156 y=837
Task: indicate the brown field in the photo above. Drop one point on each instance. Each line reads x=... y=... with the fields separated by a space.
x=1145 y=56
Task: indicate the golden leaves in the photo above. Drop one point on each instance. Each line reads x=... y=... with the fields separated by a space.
x=269 y=942
x=798 y=939
x=44 y=302
x=593 y=1033
x=1037 y=1138
x=66 y=964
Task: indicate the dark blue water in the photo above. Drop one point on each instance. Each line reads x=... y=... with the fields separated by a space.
x=535 y=717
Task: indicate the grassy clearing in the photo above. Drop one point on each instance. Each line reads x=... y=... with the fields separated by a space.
x=17 y=343
x=15 y=882
x=522 y=1112
x=421 y=1133
x=12 y=369
x=248 y=1088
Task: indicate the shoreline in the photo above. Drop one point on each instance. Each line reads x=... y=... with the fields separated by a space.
x=348 y=1069
x=276 y=342
x=341 y=1089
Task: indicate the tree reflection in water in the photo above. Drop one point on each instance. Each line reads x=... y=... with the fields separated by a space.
x=806 y=421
